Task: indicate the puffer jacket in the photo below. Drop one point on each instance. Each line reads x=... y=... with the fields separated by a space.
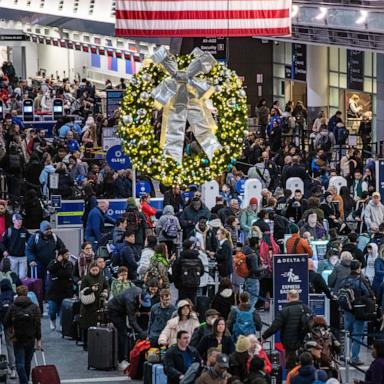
x=288 y=322
x=167 y=212
x=174 y=325
x=307 y=375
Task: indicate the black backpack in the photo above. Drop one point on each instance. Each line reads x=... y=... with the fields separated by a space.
x=133 y=221
x=285 y=125
x=5 y=303
x=190 y=273
x=342 y=135
x=24 y=324
x=325 y=143
x=14 y=163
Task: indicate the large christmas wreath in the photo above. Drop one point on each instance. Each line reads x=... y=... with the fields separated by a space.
x=183 y=118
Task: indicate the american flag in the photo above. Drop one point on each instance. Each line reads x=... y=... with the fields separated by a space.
x=203 y=18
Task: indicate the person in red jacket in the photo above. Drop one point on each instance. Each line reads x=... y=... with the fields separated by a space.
x=256 y=349
x=148 y=210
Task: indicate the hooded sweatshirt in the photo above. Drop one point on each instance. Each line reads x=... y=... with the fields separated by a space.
x=369 y=270
x=168 y=212
x=373 y=215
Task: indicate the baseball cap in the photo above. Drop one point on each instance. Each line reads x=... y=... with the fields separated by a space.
x=211 y=312
x=223 y=360
x=17 y=216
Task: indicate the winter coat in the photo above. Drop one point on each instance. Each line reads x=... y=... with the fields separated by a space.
x=174 y=325
x=20 y=305
x=247 y=217
x=302 y=246
x=145 y=258
x=174 y=363
x=60 y=280
x=223 y=257
x=318 y=285
x=168 y=212
x=373 y=215
x=7 y=295
x=210 y=341
x=44 y=178
x=32 y=213
x=118 y=287
x=375 y=373
x=339 y=273
x=88 y=313
x=379 y=274
x=203 y=330
x=238 y=365
x=176 y=201
x=44 y=250
x=129 y=258
x=142 y=226
x=84 y=261
x=95 y=224
x=288 y=322
x=14 y=241
x=190 y=217
x=259 y=171
x=223 y=302
x=127 y=305
x=158 y=319
x=207 y=239
x=307 y=375
x=149 y=213
x=211 y=376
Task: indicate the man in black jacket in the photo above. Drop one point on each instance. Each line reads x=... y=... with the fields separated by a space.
x=119 y=307
x=351 y=246
x=289 y=322
x=13 y=246
x=205 y=328
x=179 y=358
x=294 y=170
x=128 y=255
x=316 y=282
x=173 y=197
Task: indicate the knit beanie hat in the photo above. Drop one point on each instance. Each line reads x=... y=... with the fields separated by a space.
x=131 y=202
x=293 y=228
x=242 y=344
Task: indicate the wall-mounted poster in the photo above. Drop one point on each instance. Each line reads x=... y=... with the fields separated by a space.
x=357 y=104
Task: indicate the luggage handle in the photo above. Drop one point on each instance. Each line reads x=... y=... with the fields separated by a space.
x=43 y=357
x=34 y=272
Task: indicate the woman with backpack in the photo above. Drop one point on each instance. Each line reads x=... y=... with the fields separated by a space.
x=168 y=229
x=219 y=338
x=243 y=319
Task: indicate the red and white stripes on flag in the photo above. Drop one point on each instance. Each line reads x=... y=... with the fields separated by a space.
x=203 y=18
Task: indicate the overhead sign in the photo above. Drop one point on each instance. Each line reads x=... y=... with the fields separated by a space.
x=14 y=37
x=216 y=46
x=117 y=159
x=299 y=62
x=355 y=70
x=114 y=98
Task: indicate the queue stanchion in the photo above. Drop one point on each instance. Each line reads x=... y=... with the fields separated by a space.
x=347 y=348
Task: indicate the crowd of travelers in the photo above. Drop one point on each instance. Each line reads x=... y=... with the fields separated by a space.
x=186 y=287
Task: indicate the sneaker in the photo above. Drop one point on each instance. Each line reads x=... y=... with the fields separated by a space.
x=52 y=324
x=357 y=362
x=13 y=374
x=123 y=365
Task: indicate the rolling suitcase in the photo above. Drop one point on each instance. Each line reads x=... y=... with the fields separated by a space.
x=102 y=348
x=35 y=285
x=147 y=372
x=69 y=309
x=44 y=374
x=158 y=374
x=203 y=303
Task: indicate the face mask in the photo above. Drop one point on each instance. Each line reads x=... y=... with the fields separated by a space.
x=254 y=207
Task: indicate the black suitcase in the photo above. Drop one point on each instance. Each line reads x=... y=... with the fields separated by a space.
x=203 y=303
x=102 y=348
x=148 y=372
x=69 y=309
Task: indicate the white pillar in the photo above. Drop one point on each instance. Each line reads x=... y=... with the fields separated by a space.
x=317 y=80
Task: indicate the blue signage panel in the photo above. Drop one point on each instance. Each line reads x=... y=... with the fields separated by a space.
x=56 y=201
x=240 y=187
x=289 y=272
x=317 y=303
x=117 y=159
x=143 y=188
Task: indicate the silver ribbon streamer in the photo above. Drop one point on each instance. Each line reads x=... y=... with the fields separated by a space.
x=182 y=98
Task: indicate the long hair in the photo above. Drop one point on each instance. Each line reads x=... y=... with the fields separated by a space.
x=227 y=235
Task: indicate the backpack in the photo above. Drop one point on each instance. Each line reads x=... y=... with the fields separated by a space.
x=190 y=273
x=170 y=228
x=23 y=321
x=5 y=303
x=285 y=126
x=342 y=135
x=14 y=163
x=324 y=143
x=244 y=324
x=37 y=237
x=133 y=221
x=346 y=296
x=240 y=264
x=306 y=321
x=116 y=254
x=264 y=252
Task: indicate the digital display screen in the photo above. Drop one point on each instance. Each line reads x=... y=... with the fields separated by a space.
x=28 y=109
x=58 y=109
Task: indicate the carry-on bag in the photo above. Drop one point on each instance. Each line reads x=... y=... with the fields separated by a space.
x=69 y=309
x=35 y=285
x=44 y=374
x=102 y=348
x=158 y=374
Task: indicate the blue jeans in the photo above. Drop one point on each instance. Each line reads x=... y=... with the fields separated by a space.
x=252 y=286
x=354 y=327
x=54 y=308
x=23 y=355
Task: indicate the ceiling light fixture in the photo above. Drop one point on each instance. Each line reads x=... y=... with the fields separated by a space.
x=295 y=10
x=363 y=17
x=322 y=14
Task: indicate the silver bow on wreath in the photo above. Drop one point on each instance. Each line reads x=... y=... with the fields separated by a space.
x=183 y=97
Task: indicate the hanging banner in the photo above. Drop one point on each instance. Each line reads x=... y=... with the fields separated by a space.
x=355 y=70
x=299 y=62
